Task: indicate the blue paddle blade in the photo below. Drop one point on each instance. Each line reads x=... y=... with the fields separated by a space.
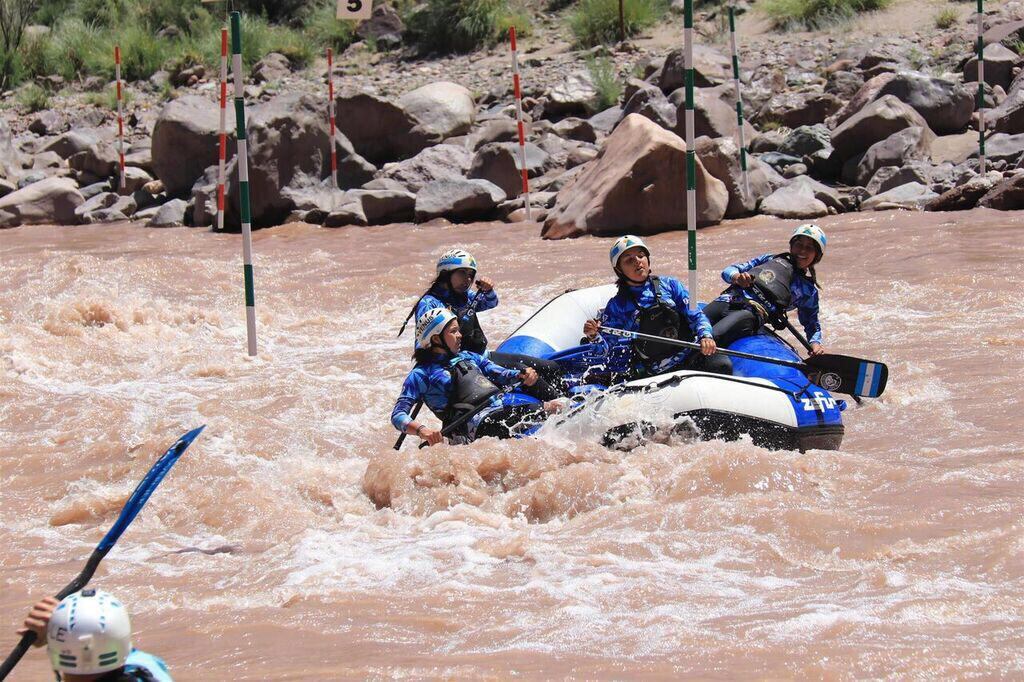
x=146 y=487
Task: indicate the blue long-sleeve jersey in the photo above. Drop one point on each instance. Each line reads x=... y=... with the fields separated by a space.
x=432 y=382
x=622 y=312
x=804 y=295
x=443 y=297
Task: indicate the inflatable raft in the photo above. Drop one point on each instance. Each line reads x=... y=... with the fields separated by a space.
x=778 y=407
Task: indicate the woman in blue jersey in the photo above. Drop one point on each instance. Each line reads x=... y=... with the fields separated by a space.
x=764 y=289
x=656 y=305
x=89 y=639
x=452 y=381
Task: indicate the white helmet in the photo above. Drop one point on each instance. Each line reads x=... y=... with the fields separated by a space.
x=815 y=234
x=89 y=633
x=623 y=244
x=433 y=322
x=454 y=259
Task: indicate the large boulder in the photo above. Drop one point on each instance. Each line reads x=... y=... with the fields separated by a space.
x=382 y=206
x=712 y=116
x=384 y=27
x=651 y=103
x=499 y=162
x=794 y=201
x=635 y=185
x=710 y=68
x=52 y=200
x=964 y=197
x=457 y=200
x=573 y=96
x=875 y=122
x=906 y=145
x=440 y=162
x=379 y=130
x=272 y=68
x=999 y=64
x=1003 y=147
x=1008 y=117
x=75 y=141
x=794 y=109
x=868 y=92
x=912 y=196
x=1007 y=195
x=721 y=158
x=945 y=105
x=186 y=142
x=444 y=109
x=10 y=159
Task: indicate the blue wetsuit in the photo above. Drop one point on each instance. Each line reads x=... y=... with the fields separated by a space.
x=802 y=290
x=622 y=312
x=142 y=662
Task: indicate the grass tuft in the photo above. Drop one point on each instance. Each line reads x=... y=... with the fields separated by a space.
x=606 y=81
x=596 y=22
x=445 y=26
x=947 y=18
x=795 y=15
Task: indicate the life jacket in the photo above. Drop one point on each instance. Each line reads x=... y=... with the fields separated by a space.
x=470 y=387
x=770 y=293
x=660 y=319
x=473 y=338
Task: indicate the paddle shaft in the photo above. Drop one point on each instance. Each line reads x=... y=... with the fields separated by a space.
x=448 y=430
x=689 y=344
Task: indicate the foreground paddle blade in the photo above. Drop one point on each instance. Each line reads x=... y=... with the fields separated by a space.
x=845 y=374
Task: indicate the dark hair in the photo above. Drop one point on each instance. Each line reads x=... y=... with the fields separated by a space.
x=444 y=278
x=423 y=355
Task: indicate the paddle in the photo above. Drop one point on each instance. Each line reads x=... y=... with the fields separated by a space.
x=448 y=430
x=131 y=509
x=840 y=373
x=412 y=415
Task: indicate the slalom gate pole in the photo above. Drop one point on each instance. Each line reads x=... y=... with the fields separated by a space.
x=120 y=115
x=739 y=100
x=517 y=89
x=330 y=116
x=981 y=87
x=691 y=156
x=243 y=181
x=223 y=153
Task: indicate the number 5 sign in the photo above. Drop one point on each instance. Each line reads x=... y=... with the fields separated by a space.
x=355 y=9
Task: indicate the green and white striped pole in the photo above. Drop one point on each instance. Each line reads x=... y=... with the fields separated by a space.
x=739 y=100
x=981 y=87
x=691 y=156
x=243 y=180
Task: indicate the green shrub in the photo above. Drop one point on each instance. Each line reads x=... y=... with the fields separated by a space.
x=37 y=57
x=445 y=26
x=813 y=14
x=323 y=28
x=606 y=81
x=33 y=98
x=596 y=22
x=946 y=18
x=77 y=42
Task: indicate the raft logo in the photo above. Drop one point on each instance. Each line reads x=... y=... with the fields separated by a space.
x=831 y=381
x=819 y=402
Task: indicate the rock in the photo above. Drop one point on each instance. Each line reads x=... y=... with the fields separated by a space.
x=45 y=160
x=1008 y=195
x=10 y=159
x=171 y=214
x=795 y=170
x=1003 y=147
x=575 y=129
x=384 y=183
x=384 y=27
x=580 y=154
x=793 y=109
x=186 y=142
x=89 y=191
x=795 y=200
x=381 y=206
x=498 y=130
x=106 y=215
x=272 y=68
x=867 y=93
x=31 y=178
x=98 y=161
x=52 y=200
x=458 y=200
x=605 y=121
x=1000 y=32
x=443 y=109
x=347 y=214
x=441 y=162
x=634 y=185
x=204 y=198
x=720 y=158
x=650 y=102
x=964 y=197
x=6 y=188
x=889 y=177
x=711 y=115
x=353 y=169
x=379 y=130
x=769 y=141
x=908 y=144
x=48 y=122
x=912 y=196
x=813 y=145
x=710 y=68
x=135 y=179
x=140 y=155
x=500 y=164
x=1008 y=117
x=944 y=105
x=874 y=123
x=999 y=64
x=844 y=84
x=573 y=96
x=75 y=141
x=101 y=200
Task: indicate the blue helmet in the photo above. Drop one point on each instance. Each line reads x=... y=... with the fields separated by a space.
x=433 y=322
x=815 y=234
x=623 y=244
x=454 y=259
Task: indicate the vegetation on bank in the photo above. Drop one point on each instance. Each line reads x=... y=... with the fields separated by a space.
x=789 y=15
x=596 y=22
x=443 y=26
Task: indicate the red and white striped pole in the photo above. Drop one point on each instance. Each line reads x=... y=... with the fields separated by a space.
x=330 y=116
x=223 y=153
x=519 y=120
x=120 y=113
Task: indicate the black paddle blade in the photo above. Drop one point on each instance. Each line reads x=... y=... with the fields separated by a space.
x=845 y=374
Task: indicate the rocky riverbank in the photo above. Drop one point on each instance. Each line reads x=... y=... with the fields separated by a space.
x=854 y=118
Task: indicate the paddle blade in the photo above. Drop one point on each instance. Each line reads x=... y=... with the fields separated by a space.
x=845 y=374
x=145 y=488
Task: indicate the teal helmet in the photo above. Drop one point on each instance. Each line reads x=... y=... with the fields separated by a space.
x=623 y=244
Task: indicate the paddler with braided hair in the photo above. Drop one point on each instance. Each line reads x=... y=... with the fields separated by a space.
x=762 y=290
x=451 y=381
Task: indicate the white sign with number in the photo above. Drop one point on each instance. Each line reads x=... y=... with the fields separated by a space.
x=354 y=10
